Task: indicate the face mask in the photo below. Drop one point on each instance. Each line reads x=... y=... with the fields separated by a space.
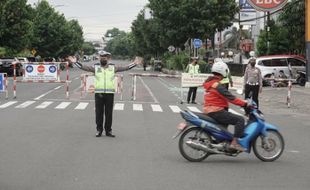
x=252 y=64
x=103 y=62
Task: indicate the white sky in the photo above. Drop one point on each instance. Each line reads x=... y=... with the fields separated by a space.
x=98 y=16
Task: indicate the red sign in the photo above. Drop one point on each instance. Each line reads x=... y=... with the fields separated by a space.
x=267 y=5
x=41 y=68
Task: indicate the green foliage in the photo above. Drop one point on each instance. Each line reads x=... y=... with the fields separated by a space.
x=15 y=25
x=54 y=36
x=121 y=45
x=288 y=34
x=279 y=42
x=175 y=21
x=180 y=61
x=293 y=20
x=23 y=28
x=88 y=48
x=182 y=19
x=176 y=62
x=2 y=51
x=113 y=33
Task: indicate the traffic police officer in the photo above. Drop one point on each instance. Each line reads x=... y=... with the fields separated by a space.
x=104 y=88
x=192 y=68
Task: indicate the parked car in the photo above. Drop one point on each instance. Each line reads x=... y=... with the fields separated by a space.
x=273 y=64
x=22 y=60
x=32 y=59
x=6 y=66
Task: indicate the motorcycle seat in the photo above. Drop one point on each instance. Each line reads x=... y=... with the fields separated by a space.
x=206 y=118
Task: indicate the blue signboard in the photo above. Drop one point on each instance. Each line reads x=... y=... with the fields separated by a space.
x=245 y=6
x=1 y=82
x=197 y=43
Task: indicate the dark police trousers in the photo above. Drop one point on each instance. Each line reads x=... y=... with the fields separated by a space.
x=251 y=91
x=104 y=105
x=192 y=90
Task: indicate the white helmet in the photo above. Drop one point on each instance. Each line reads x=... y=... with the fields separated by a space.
x=104 y=53
x=220 y=67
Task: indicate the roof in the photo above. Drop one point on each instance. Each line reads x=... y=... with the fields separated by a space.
x=282 y=56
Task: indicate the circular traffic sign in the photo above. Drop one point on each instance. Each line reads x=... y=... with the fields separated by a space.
x=197 y=43
x=267 y=5
x=29 y=68
x=52 y=69
x=41 y=68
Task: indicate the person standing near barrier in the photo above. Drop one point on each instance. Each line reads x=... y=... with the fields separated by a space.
x=227 y=79
x=104 y=88
x=253 y=81
x=192 y=68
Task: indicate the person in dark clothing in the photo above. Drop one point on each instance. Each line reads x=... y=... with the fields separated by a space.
x=216 y=102
x=104 y=88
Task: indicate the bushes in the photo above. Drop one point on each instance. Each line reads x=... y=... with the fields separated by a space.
x=2 y=51
x=180 y=61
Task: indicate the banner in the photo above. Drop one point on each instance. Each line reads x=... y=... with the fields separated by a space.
x=193 y=80
x=40 y=72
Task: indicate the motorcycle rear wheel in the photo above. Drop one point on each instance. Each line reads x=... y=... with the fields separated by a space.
x=275 y=149
x=197 y=135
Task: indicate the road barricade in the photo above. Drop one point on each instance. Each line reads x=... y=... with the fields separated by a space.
x=4 y=84
x=42 y=72
x=134 y=80
x=88 y=84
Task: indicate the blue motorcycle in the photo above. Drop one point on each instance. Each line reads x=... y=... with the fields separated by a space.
x=201 y=136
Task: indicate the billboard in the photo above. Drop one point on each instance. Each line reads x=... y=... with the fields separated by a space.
x=267 y=5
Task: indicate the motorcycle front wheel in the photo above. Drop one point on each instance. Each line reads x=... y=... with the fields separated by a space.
x=271 y=150
x=196 y=135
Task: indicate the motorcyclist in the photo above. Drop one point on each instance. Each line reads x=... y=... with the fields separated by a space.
x=216 y=102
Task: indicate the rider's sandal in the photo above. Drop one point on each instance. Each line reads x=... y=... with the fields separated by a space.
x=237 y=147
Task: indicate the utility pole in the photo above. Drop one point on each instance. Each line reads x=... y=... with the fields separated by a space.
x=307 y=25
x=268 y=32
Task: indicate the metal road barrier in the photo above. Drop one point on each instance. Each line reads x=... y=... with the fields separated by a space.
x=187 y=80
x=134 y=80
x=4 y=84
x=41 y=72
x=88 y=84
x=274 y=81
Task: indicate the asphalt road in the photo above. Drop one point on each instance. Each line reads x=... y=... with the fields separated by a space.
x=48 y=142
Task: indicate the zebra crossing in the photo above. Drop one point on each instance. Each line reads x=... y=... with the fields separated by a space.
x=118 y=106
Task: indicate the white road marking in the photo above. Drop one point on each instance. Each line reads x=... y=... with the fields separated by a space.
x=156 y=108
x=44 y=105
x=119 y=106
x=41 y=96
x=193 y=109
x=175 y=109
x=8 y=104
x=137 y=107
x=25 y=104
x=149 y=90
x=81 y=106
x=294 y=151
x=58 y=87
x=63 y=105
